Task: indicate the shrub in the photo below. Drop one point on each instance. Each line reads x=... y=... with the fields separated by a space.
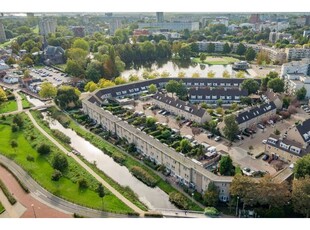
x=15 y=128
x=18 y=120
x=179 y=200
x=83 y=183
x=60 y=162
x=211 y=211
x=61 y=136
x=44 y=149
x=56 y=175
x=30 y=158
x=144 y=176
x=7 y=193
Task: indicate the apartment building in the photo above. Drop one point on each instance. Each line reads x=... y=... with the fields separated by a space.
x=181 y=108
x=297 y=53
x=173 y=26
x=212 y=95
x=47 y=26
x=294 y=82
x=78 y=31
x=203 y=46
x=182 y=167
x=296 y=67
x=275 y=36
x=254 y=115
x=2 y=33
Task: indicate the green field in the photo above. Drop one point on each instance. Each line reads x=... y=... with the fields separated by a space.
x=28 y=139
x=25 y=102
x=7 y=43
x=8 y=106
x=210 y=60
x=2 y=209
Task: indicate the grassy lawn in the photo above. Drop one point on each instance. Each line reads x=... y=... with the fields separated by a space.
x=7 y=43
x=36 y=30
x=28 y=139
x=25 y=102
x=8 y=106
x=61 y=66
x=129 y=160
x=2 y=209
x=216 y=60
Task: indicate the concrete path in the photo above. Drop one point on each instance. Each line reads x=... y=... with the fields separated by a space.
x=88 y=169
x=18 y=100
x=11 y=211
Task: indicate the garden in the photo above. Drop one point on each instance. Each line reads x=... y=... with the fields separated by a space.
x=53 y=170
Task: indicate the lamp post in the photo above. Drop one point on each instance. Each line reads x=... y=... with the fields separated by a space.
x=34 y=212
x=192 y=197
x=237 y=205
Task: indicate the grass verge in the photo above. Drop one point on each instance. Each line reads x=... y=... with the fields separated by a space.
x=2 y=209
x=8 y=106
x=25 y=102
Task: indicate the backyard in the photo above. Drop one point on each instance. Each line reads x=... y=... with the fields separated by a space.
x=24 y=152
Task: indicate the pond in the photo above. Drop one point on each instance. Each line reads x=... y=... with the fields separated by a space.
x=153 y=197
x=174 y=67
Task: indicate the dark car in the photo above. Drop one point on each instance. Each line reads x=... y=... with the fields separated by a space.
x=246 y=134
x=265 y=157
x=210 y=135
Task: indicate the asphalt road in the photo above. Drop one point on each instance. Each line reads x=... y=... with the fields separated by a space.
x=51 y=200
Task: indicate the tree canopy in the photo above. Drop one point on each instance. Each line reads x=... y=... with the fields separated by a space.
x=277 y=85
x=302 y=166
x=48 y=90
x=301 y=93
x=251 y=85
x=231 y=128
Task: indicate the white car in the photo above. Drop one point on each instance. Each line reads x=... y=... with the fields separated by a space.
x=217 y=138
x=264 y=141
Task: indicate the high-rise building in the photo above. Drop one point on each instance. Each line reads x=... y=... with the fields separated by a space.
x=79 y=31
x=255 y=18
x=47 y=26
x=2 y=33
x=114 y=25
x=159 y=16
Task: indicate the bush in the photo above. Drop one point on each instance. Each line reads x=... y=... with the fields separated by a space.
x=60 y=162
x=56 y=175
x=211 y=211
x=7 y=193
x=179 y=200
x=144 y=176
x=44 y=149
x=15 y=128
x=153 y=215
x=30 y=158
x=83 y=183
x=61 y=136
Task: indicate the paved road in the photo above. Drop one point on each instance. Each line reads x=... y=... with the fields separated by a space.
x=49 y=199
x=88 y=169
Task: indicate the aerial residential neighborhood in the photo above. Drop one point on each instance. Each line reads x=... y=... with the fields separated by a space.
x=154 y=114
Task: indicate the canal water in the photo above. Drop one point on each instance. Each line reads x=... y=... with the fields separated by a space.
x=174 y=67
x=153 y=197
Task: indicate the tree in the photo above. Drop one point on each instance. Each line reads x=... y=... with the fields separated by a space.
x=176 y=87
x=10 y=61
x=103 y=83
x=152 y=88
x=241 y=49
x=47 y=90
x=240 y=74
x=302 y=166
x=82 y=183
x=195 y=75
x=76 y=69
x=219 y=102
x=81 y=44
x=250 y=54
x=226 y=48
x=301 y=196
x=185 y=146
x=286 y=102
x=234 y=106
x=225 y=74
x=262 y=57
x=185 y=51
x=211 y=48
x=44 y=149
x=181 y=74
x=277 y=85
x=250 y=85
x=226 y=166
x=211 y=74
x=133 y=78
x=203 y=57
x=2 y=95
x=120 y=80
x=101 y=192
x=165 y=74
x=18 y=120
x=211 y=196
x=60 y=162
x=67 y=96
x=231 y=128
x=14 y=144
x=245 y=101
x=91 y=86
x=94 y=71
x=301 y=93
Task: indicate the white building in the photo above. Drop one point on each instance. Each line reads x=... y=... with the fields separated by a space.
x=3 y=66
x=174 y=26
x=114 y=25
x=220 y=20
x=296 y=67
x=295 y=82
x=10 y=79
x=203 y=46
x=233 y=28
x=47 y=26
x=297 y=53
x=275 y=36
x=306 y=33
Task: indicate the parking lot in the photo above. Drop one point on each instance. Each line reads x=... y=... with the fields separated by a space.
x=50 y=75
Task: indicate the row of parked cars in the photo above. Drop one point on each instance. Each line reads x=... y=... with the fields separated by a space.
x=306 y=108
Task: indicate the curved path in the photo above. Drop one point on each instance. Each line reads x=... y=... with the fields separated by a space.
x=48 y=198
x=88 y=169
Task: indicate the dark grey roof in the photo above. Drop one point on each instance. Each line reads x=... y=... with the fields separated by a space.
x=179 y=104
x=93 y=100
x=254 y=112
x=304 y=130
x=137 y=87
x=53 y=50
x=219 y=91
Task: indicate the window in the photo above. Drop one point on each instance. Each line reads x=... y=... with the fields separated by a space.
x=214 y=97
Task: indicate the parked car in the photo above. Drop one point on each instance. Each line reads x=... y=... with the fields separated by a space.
x=217 y=138
x=265 y=157
x=260 y=126
x=246 y=134
x=239 y=137
x=264 y=141
x=210 y=135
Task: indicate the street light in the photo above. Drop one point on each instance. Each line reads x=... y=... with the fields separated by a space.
x=192 y=197
x=237 y=205
x=34 y=212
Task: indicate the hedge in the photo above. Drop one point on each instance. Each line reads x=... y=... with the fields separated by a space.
x=144 y=176
x=179 y=200
x=6 y=192
x=24 y=187
x=153 y=215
